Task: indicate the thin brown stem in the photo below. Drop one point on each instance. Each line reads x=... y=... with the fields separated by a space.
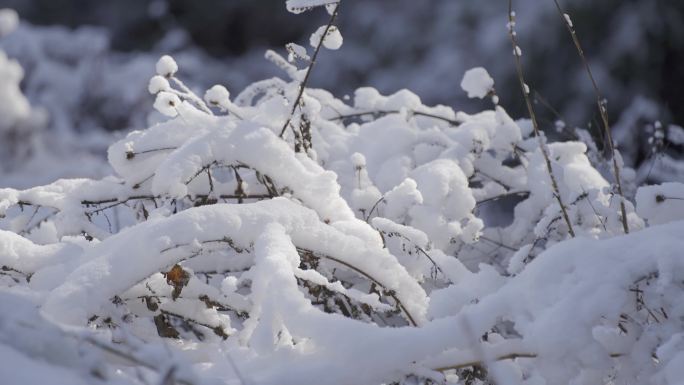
x=533 y=116
x=421 y=251
x=502 y=196
x=509 y=356
x=132 y=154
x=375 y=206
x=497 y=243
x=304 y=82
x=365 y=274
x=216 y=328
x=603 y=110
x=388 y=112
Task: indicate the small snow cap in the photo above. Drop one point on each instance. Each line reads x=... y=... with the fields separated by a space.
x=167 y=103
x=477 y=83
x=166 y=66
x=217 y=95
x=157 y=84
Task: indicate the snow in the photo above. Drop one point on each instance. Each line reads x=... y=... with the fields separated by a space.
x=157 y=84
x=568 y=21
x=296 y=51
x=380 y=234
x=477 y=83
x=517 y=51
x=299 y=6
x=675 y=134
x=217 y=95
x=332 y=39
x=167 y=103
x=661 y=203
x=166 y=66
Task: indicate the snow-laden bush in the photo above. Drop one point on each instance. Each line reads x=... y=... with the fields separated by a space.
x=285 y=236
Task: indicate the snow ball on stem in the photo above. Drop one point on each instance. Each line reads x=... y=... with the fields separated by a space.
x=477 y=83
x=217 y=95
x=166 y=66
x=167 y=103
x=157 y=84
x=332 y=40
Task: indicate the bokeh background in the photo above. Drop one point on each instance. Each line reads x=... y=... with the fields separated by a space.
x=87 y=62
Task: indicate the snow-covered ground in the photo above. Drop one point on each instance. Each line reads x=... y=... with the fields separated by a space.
x=282 y=235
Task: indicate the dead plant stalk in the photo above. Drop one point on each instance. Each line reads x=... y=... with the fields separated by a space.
x=302 y=85
x=603 y=110
x=533 y=116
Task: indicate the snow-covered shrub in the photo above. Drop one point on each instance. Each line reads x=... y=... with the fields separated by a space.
x=286 y=236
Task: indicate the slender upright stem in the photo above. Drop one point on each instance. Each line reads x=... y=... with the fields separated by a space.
x=533 y=116
x=603 y=110
x=304 y=82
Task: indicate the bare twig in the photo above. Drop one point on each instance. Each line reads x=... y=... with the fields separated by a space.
x=365 y=274
x=132 y=154
x=603 y=223
x=497 y=243
x=375 y=206
x=508 y=356
x=187 y=93
x=389 y=112
x=495 y=180
x=504 y=195
x=304 y=82
x=5 y=269
x=217 y=329
x=236 y=370
x=129 y=357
